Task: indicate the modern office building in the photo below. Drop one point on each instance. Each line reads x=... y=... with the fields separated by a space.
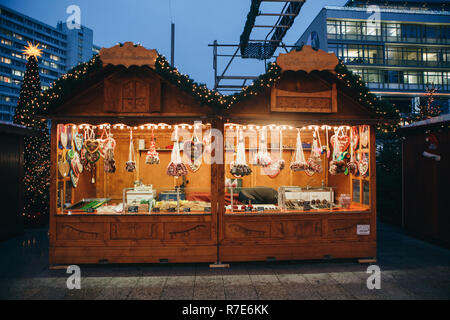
x=62 y=50
x=397 y=47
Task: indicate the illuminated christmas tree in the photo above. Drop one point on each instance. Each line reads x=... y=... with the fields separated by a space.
x=37 y=148
x=428 y=110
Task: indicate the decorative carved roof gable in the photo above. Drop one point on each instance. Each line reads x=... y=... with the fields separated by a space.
x=308 y=60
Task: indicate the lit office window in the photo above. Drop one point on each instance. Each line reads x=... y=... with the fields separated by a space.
x=412 y=77
x=430 y=55
x=54 y=65
x=446 y=78
x=353 y=52
x=5 y=60
x=373 y=54
x=53 y=57
x=6 y=42
x=411 y=54
x=17 y=55
x=373 y=76
x=17 y=73
x=18 y=36
x=432 y=77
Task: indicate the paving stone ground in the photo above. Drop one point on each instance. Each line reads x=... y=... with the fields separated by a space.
x=410 y=269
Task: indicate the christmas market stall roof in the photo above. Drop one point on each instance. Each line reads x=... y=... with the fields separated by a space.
x=129 y=55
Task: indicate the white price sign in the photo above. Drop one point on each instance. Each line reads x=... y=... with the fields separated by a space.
x=363 y=229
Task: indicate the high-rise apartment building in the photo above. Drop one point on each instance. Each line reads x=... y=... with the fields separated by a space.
x=399 y=48
x=62 y=50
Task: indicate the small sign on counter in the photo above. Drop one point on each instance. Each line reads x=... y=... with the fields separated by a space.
x=363 y=229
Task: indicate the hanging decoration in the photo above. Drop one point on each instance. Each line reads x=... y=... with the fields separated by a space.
x=74 y=178
x=176 y=167
x=193 y=150
x=364 y=136
x=130 y=165
x=75 y=164
x=340 y=143
x=274 y=169
x=327 y=146
x=352 y=165
x=63 y=138
x=63 y=165
x=363 y=164
x=152 y=156
x=239 y=167
x=78 y=140
x=299 y=163
x=432 y=147
x=315 y=161
x=92 y=146
x=69 y=132
x=262 y=157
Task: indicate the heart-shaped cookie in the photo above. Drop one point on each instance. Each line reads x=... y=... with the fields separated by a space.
x=78 y=141
x=363 y=166
x=274 y=169
x=92 y=157
x=343 y=142
x=74 y=179
x=92 y=146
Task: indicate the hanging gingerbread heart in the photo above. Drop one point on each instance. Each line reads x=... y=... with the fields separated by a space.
x=78 y=141
x=92 y=157
x=355 y=138
x=343 y=142
x=364 y=136
x=91 y=145
x=363 y=166
x=274 y=169
x=74 y=179
x=62 y=135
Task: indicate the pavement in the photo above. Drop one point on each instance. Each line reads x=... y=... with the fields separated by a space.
x=410 y=269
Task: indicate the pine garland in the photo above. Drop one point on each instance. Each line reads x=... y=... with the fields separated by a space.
x=219 y=102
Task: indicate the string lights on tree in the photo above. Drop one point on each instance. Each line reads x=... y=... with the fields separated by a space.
x=37 y=148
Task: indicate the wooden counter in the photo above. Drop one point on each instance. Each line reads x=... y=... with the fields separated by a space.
x=137 y=238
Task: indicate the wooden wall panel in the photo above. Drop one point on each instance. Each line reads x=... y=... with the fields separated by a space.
x=187 y=231
x=79 y=231
x=136 y=231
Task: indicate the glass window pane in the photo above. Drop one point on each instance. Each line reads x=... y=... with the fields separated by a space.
x=366 y=192
x=356 y=190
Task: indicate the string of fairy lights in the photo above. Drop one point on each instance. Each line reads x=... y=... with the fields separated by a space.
x=55 y=95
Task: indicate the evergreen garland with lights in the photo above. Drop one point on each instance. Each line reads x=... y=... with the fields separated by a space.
x=37 y=148
x=382 y=108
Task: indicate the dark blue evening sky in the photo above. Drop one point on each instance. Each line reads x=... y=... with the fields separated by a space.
x=198 y=23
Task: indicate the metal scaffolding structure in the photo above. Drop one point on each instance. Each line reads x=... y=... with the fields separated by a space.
x=261 y=49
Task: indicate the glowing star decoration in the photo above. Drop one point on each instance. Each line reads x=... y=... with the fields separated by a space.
x=32 y=50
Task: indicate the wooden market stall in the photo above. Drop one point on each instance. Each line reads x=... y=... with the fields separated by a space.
x=102 y=153
x=148 y=166
x=425 y=154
